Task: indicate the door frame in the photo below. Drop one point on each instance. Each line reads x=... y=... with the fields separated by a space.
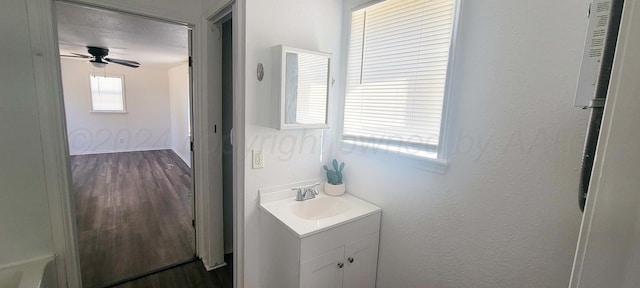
x=48 y=82
x=238 y=11
x=609 y=229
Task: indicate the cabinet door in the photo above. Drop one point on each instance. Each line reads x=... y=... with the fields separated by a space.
x=324 y=271
x=361 y=263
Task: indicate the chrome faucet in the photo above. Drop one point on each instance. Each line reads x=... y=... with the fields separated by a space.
x=306 y=192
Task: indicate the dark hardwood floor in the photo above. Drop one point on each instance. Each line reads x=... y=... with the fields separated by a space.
x=134 y=213
x=190 y=275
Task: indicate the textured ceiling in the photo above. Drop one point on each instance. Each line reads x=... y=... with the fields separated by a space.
x=128 y=37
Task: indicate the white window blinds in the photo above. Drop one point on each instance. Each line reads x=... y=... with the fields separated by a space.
x=396 y=72
x=107 y=94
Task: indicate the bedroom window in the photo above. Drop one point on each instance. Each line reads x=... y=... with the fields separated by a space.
x=397 y=72
x=107 y=94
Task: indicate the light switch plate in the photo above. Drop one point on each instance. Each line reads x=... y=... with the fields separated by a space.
x=258 y=159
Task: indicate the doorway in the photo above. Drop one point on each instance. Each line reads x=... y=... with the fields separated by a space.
x=127 y=88
x=227 y=127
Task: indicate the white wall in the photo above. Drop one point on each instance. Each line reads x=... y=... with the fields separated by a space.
x=25 y=230
x=145 y=126
x=308 y=24
x=179 y=102
x=505 y=213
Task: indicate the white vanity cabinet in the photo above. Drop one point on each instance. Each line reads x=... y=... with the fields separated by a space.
x=362 y=262
x=323 y=271
x=351 y=266
x=342 y=256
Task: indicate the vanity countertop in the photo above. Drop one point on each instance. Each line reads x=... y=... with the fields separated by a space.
x=305 y=218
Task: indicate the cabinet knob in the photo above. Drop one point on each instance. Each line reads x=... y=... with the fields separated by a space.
x=340 y=264
x=350 y=259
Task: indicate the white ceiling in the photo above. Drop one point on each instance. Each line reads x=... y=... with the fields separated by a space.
x=128 y=37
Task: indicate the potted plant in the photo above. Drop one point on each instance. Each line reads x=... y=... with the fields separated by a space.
x=334 y=185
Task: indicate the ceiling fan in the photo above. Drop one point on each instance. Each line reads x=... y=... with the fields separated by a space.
x=99 y=58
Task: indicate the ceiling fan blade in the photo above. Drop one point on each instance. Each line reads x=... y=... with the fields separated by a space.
x=81 y=56
x=72 y=56
x=129 y=63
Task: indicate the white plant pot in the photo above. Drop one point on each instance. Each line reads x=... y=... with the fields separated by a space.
x=334 y=190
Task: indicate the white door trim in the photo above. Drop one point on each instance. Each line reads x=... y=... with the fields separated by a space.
x=44 y=42
x=44 y=45
x=606 y=253
x=237 y=9
x=239 y=154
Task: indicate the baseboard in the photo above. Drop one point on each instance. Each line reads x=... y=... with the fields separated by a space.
x=154 y=271
x=186 y=160
x=25 y=261
x=209 y=268
x=119 y=150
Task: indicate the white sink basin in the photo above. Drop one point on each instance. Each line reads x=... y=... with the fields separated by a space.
x=320 y=208
x=311 y=216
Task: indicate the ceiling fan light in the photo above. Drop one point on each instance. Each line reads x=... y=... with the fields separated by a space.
x=98 y=64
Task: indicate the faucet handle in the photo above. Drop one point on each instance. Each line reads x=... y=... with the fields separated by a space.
x=313 y=189
x=299 y=196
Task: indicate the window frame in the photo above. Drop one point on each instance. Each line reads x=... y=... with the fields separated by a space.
x=439 y=163
x=124 y=97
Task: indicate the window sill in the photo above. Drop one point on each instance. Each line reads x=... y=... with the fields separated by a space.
x=417 y=159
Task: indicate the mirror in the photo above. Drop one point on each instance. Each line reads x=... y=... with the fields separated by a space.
x=303 y=88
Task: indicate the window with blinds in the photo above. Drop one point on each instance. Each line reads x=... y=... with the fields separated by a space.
x=107 y=93
x=396 y=74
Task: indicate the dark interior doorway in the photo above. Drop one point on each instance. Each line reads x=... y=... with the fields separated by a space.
x=227 y=126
